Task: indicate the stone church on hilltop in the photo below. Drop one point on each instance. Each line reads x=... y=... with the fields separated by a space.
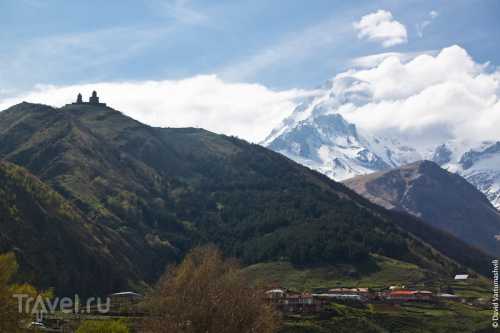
x=93 y=100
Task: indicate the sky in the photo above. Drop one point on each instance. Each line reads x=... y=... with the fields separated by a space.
x=233 y=67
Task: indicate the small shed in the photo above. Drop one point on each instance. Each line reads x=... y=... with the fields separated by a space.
x=126 y=297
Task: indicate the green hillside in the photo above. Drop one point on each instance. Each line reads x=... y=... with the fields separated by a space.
x=377 y=317
x=54 y=243
x=379 y=272
x=407 y=318
x=150 y=194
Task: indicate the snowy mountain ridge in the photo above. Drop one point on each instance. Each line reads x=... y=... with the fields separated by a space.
x=318 y=135
x=480 y=165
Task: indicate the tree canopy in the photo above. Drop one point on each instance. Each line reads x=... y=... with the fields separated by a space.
x=207 y=293
x=12 y=319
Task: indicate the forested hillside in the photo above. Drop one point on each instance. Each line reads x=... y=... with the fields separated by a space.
x=146 y=195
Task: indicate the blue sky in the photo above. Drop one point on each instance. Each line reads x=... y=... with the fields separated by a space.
x=241 y=67
x=280 y=44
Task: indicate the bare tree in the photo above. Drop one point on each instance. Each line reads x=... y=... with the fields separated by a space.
x=205 y=294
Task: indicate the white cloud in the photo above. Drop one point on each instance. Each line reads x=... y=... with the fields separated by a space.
x=248 y=111
x=381 y=27
x=433 y=14
x=423 y=98
x=423 y=25
x=428 y=99
x=373 y=60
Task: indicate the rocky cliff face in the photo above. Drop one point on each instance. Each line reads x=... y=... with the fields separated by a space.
x=440 y=198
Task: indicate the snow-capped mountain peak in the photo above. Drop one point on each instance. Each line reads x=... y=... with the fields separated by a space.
x=332 y=95
x=328 y=143
x=318 y=135
x=479 y=164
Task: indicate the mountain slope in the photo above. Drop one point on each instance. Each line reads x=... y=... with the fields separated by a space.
x=444 y=200
x=54 y=243
x=162 y=191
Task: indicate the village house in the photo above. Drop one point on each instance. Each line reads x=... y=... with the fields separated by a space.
x=362 y=292
x=124 y=299
x=293 y=302
x=447 y=297
x=461 y=277
x=342 y=297
x=288 y=301
x=275 y=296
x=301 y=303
